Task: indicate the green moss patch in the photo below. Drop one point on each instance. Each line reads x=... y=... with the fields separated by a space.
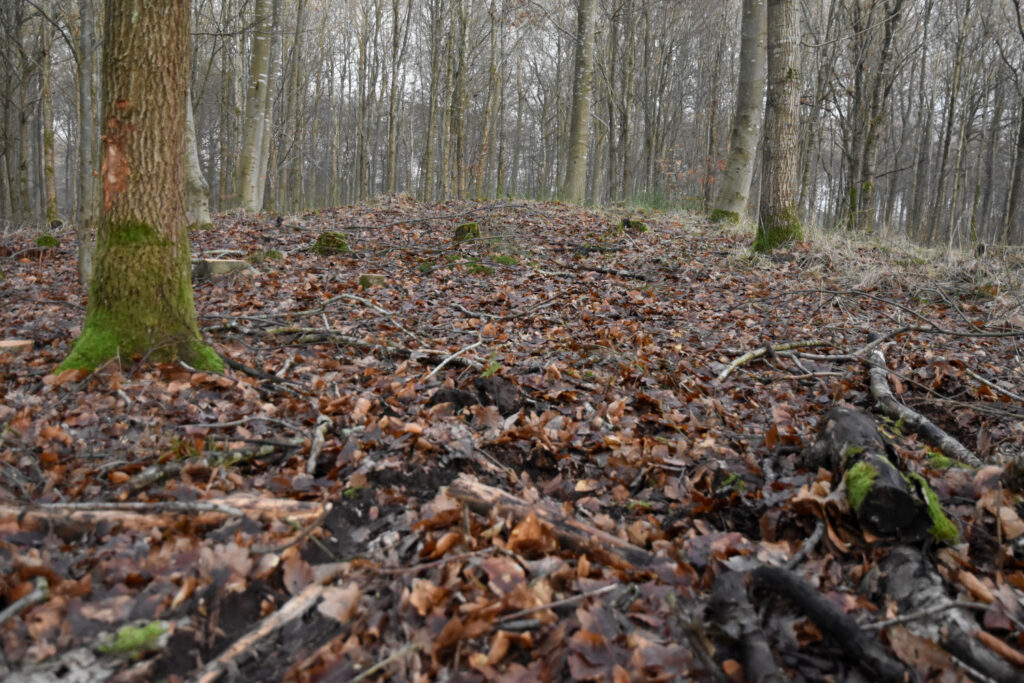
x=330 y=243
x=776 y=230
x=723 y=216
x=467 y=231
x=47 y=241
x=133 y=642
x=859 y=479
x=942 y=529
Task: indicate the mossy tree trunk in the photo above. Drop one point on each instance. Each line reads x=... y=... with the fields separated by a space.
x=779 y=219
x=731 y=204
x=140 y=295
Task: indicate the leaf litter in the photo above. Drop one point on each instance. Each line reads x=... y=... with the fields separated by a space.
x=321 y=511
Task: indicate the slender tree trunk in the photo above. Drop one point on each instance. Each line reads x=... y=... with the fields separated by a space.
x=746 y=129
x=1013 y=231
x=988 y=180
x=197 y=190
x=140 y=297
x=89 y=93
x=575 y=186
x=779 y=219
x=947 y=138
x=46 y=93
x=250 y=182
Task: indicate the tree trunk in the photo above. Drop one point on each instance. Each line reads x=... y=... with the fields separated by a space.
x=575 y=187
x=197 y=190
x=1013 y=232
x=89 y=93
x=140 y=297
x=46 y=93
x=779 y=219
x=746 y=127
x=250 y=182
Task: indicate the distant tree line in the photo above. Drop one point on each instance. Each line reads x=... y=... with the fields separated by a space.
x=909 y=116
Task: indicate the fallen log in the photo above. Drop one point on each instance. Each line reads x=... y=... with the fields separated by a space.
x=930 y=433
x=911 y=580
x=859 y=647
x=571 y=533
x=735 y=616
x=887 y=502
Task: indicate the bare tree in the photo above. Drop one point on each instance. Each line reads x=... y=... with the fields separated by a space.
x=779 y=219
x=746 y=128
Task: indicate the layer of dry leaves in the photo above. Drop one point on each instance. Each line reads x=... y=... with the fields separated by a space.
x=326 y=457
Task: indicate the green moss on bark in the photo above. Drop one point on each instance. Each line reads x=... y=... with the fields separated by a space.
x=140 y=302
x=467 y=231
x=942 y=529
x=774 y=230
x=330 y=243
x=723 y=216
x=859 y=479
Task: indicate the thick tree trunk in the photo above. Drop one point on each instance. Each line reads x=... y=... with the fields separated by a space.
x=779 y=219
x=250 y=182
x=140 y=296
x=197 y=190
x=575 y=186
x=746 y=128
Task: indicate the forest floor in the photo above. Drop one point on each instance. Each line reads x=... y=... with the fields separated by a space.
x=513 y=458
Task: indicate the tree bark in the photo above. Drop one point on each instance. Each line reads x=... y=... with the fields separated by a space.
x=46 y=93
x=1012 y=232
x=746 y=128
x=250 y=182
x=575 y=185
x=89 y=92
x=197 y=190
x=140 y=296
x=779 y=220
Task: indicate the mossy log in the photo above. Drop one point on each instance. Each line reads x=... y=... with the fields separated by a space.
x=467 y=231
x=329 y=243
x=371 y=280
x=887 y=502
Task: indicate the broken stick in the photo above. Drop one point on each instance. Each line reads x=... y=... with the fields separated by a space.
x=931 y=433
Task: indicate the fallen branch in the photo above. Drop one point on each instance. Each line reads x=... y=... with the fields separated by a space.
x=40 y=593
x=768 y=350
x=452 y=357
x=70 y=520
x=290 y=611
x=323 y=423
x=735 y=616
x=995 y=387
x=931 y=433
x=910 y=580
x=571 y=533
x=839 y=626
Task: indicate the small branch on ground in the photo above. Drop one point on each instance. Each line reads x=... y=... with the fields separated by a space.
x=323 y=423
x=289 y=612
x=768 y=350
x=40 y=593
x=931 y=433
